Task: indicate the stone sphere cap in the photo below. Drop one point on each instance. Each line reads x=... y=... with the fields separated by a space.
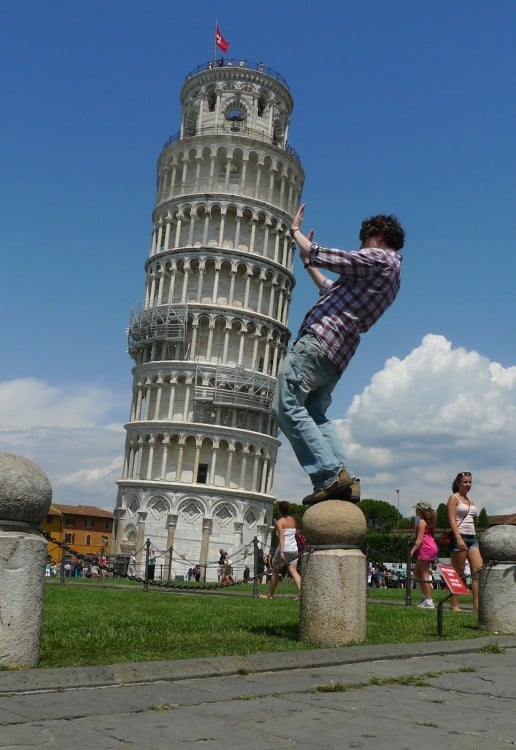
x=334 y=522
x=498 y=543
x=25 y=491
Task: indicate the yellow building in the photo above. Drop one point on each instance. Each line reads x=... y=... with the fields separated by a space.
x=85 y=529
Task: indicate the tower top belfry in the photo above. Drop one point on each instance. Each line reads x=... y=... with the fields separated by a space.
x=253 y=100
x=212 y=331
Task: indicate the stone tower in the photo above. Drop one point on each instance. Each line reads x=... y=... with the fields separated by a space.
x=201 y=442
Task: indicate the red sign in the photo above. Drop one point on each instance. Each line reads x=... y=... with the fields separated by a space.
x=453 y=579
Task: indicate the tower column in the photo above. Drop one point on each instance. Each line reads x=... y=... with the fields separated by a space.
x=160 y=235
x=213 y=465
x=171 y=402
x=159 y=386
x=185 y=286
x=150 y=459
x=172 y=285
x=199 y=287
x=164 y=458
x=207 y=526
x=171 y=532
x=216 y=285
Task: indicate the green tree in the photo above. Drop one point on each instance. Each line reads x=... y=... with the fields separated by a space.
x=406 y=523
x=380 y=515
x=483 y=519
x=442 y=516
x=380 y=547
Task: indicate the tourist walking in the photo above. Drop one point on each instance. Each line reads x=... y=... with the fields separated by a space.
x=286 y=551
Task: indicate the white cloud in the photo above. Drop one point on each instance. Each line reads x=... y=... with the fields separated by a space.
x=418 y=422
x=424 y=418
x=94 y=476
x=82 y=465
x=69 y=432
x=28 y=402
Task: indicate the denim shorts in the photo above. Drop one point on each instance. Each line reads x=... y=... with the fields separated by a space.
x=469 y=540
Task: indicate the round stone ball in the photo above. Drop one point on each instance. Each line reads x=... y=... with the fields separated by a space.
x=334 y=522
x=25 y=491
x=498 y=543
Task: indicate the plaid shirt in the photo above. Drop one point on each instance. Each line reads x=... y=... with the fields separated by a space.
x=369 y=280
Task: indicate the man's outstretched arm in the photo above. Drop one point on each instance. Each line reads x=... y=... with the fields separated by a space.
x=304 y=243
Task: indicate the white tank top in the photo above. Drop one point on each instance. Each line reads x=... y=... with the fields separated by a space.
x=465 y=517
x=290 y=540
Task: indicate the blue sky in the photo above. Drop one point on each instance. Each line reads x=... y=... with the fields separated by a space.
x=404 y=107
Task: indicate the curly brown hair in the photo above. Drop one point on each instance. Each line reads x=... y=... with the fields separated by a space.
x=387 y=227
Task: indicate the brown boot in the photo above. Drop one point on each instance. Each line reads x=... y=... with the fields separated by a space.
x=343 y=483
x=351 y=494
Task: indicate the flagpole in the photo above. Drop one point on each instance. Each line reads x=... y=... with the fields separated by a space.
x=215 y=42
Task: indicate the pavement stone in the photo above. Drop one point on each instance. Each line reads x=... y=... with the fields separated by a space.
x=450 y=694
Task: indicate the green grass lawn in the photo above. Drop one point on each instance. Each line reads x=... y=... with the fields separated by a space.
x=97 y=624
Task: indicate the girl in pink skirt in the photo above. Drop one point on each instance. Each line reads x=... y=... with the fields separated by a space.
x=425 y=551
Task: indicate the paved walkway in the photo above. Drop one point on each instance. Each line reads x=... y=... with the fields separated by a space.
x=459 y=695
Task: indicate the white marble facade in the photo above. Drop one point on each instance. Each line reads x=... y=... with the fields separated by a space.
x=212 y=331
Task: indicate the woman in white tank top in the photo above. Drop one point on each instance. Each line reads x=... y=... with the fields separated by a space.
x=464 y=545
x=286 y=552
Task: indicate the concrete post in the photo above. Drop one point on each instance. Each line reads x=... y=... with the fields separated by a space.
x=334 y=588
x=497 y=580
x=25 y=496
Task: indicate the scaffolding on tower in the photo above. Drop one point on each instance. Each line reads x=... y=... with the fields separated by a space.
x=165 y=324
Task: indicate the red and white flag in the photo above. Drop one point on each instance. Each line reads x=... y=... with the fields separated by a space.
x=221 y=43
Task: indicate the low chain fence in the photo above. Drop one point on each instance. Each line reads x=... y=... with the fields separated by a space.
x=118 y=566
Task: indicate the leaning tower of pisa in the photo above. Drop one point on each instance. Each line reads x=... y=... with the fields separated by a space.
x=212 y=331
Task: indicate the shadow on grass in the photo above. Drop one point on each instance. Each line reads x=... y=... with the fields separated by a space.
x=284 y=631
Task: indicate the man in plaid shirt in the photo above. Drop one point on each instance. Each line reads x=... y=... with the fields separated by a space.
x=368 y=282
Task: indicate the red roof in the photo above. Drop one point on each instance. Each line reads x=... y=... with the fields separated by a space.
x=91 y=511
x=509 y=519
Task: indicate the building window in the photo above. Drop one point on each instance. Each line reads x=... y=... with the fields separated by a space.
x=262 y=104
x=69 y=521
x=236 y=117
x=70 y=538
x=89 y=523
x=87 y=540
x=202 y=473
x=107 y=525
x=211 y=98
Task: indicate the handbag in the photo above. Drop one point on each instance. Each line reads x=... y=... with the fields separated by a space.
x=301 y=541
x=448 y=537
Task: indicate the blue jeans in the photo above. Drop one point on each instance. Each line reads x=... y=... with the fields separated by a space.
x=303 y=394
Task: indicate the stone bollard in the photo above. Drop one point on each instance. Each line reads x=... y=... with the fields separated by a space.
x=497 y=580
x=25 y=496
x=334 y=588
